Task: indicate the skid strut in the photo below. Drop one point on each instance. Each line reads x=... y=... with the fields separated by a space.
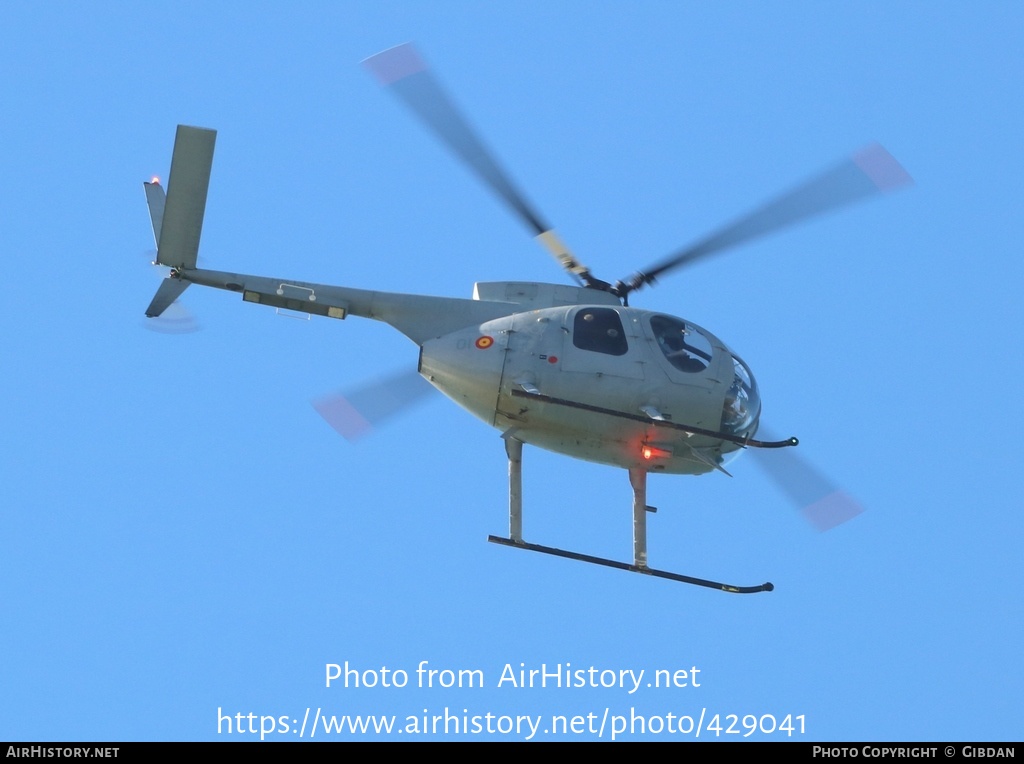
x=514 y=449
x=638 y=480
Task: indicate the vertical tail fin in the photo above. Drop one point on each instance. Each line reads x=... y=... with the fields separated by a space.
x=177 y=215
x=181 y=212
x=156 y=199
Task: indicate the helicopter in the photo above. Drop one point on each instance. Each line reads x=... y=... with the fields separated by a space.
x=570 y=368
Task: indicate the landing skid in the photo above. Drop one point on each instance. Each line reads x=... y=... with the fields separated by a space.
x=638 y=480
x=766 y=587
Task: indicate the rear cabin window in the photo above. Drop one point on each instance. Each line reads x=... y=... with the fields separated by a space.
x=599 y=330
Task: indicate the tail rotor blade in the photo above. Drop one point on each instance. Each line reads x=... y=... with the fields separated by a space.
x=403 y=72
x=867 y=173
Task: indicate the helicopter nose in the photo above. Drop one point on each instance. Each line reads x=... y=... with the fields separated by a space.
x=742 y=404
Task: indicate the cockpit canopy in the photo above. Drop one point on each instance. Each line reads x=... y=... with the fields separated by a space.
x=689 y=349
x=686 y=349
x=742 y=402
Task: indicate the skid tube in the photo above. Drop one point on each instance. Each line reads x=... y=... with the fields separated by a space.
x=643 y=569
x=638 y=481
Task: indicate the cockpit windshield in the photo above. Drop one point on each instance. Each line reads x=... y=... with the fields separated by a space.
x=689 y=349
x=742 y=402
x=686 y=349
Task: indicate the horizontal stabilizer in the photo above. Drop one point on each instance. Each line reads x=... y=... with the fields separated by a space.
x=182 y=219
x=169 y=291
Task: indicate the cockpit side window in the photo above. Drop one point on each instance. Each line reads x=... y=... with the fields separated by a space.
x=686 y=349
x=599 y=330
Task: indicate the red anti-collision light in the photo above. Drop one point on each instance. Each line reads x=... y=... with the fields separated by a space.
x=650 y=452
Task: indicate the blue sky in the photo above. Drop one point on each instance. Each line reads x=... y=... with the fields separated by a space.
x=183 y=534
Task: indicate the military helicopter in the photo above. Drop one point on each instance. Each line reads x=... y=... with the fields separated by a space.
x=573 y=369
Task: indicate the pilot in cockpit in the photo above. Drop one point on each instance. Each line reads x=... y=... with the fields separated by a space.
x=673 y=345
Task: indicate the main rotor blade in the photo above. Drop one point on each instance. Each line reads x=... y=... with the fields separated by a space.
x=823 y=504
x=356 y=413
x=870 y=171
x=404 y=73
